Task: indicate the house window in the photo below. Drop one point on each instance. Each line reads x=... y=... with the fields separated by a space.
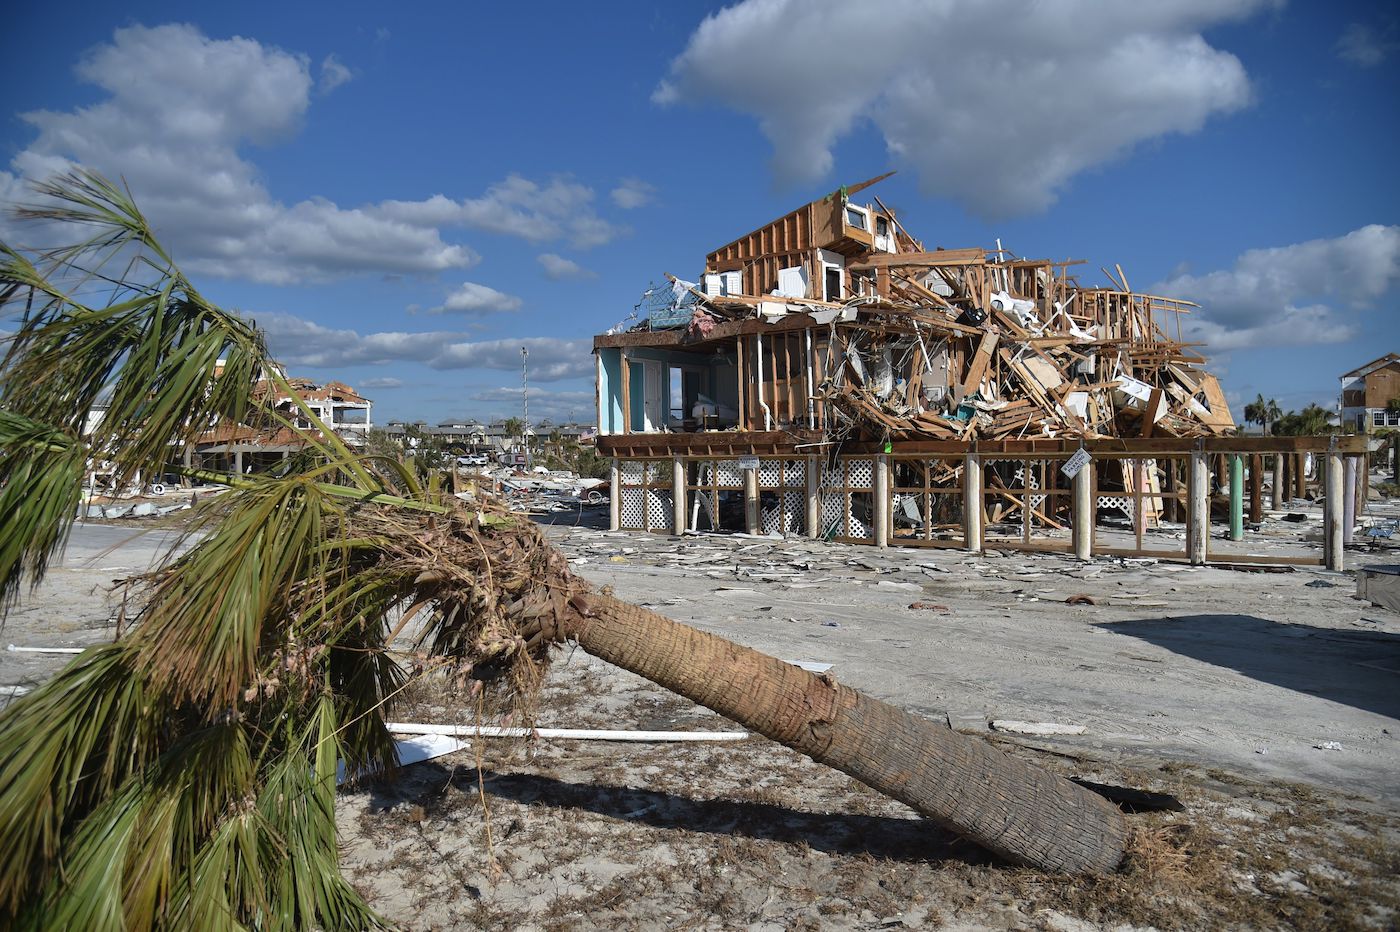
x=882 y=226
x=858 y=218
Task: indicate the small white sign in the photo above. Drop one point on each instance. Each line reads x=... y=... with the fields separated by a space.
x=1075 y=463
x=748 y=462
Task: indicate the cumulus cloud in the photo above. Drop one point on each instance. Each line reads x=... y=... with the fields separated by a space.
x=1362 y=45
x=1290 y=295
x=471 y=298
x=178 y=107
x=383 y=382
x=562 y=208
x=561 y=269
x=333 y=74
x=1035 y=94
x=559 y=407
x=632 y=193
x=299 y=342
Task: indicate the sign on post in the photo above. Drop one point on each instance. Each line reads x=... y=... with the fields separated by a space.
x=748 y=462
x=1075 y=463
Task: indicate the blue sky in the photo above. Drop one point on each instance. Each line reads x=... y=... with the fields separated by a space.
x=404 y=194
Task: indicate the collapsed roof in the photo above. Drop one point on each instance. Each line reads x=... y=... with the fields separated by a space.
x=951 y=343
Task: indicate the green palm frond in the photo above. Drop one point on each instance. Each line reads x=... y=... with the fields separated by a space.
x=42 y=470
x=184 y=777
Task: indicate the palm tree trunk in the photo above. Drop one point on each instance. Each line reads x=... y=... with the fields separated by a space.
x=1015 y=809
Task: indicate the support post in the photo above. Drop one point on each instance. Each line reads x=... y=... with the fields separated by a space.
x=238 y=461
x=1236 y=496
x=1349 y=497
x=1276 y=497
x=680 y=500
x=1300 y=475
x=1256 y=488
x=882 y=501
x=1082 y=518
x=1198 y=508
x=751 y=515
x=972 y=502
x=187 y=458
x=1332 y=540
x=615 y=495
x=814 y=498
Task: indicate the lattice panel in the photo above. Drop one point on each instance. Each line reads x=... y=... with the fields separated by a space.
x=633 y=472
x=658 y=510
x=1032 y=482
x=722 y=472
x=782 y=474
x=1117 y=503
x=833 y=512
x=858 y=529
x=785 y=517
x=832 y=476
x=632 y=517
x=860 y=474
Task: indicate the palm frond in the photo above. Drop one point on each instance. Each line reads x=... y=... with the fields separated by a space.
x=42 y=471
x=184 y=777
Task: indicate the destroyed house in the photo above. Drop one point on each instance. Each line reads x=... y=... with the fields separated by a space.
x=828 y=374
x=242 y=447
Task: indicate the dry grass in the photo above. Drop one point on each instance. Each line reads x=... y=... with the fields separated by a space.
x=729 y=836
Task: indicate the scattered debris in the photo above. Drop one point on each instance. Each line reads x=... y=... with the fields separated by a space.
x=1081 y=599
x=1037 y=728
x=932 y=607
x=572 y=734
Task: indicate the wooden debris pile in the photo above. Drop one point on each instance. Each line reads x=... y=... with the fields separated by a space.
x=957 y=344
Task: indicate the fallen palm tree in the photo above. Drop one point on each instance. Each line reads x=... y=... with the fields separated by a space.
x=184 y=776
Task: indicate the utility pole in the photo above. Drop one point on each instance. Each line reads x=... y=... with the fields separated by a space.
x=525 y=400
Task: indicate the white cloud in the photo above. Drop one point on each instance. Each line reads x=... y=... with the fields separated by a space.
x=333 y=74
x=385 y=382
x=559 y=407
x=632 y=193
x=471 y=298
x=561 y=269
x=1288 y=295
x=1364 y=46
x=996 y=103
x=179 y=106
x=299 y=342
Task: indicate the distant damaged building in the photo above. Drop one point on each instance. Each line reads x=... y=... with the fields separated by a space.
x=829 y=374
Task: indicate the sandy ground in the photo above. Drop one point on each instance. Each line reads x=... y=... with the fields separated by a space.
x=1268 y=703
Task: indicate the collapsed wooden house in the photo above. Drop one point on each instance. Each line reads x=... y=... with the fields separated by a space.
x=832 y=345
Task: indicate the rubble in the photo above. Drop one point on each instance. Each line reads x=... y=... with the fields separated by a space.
x=948 y=344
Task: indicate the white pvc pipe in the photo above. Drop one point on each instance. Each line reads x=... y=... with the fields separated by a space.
x=583 y=734
x=767 y=413
x=47 y=650
x=811 y=385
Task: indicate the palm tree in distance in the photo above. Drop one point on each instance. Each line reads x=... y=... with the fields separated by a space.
x=183 y=776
